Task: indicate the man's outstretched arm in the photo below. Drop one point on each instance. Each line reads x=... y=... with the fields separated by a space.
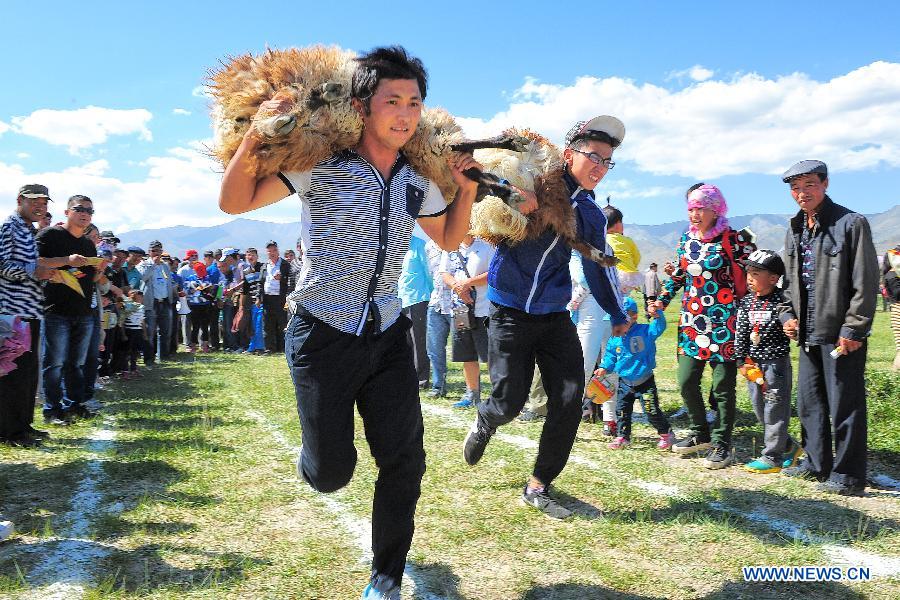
x=241 y=190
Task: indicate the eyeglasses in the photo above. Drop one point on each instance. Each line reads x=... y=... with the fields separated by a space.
x=83 y=209
x=597 y=159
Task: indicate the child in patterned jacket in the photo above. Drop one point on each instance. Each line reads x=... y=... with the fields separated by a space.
x=761 y=342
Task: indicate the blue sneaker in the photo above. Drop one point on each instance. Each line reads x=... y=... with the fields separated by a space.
x=468 y=400
x=792 y=457
x=371 y=593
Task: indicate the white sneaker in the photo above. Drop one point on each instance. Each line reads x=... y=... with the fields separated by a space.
x=6 y=529
x=93 y=405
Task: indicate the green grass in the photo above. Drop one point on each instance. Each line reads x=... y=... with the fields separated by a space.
x=200 y=500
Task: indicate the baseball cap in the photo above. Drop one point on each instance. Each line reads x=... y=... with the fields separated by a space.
x=805 y=167
x=271 y=243
x=766 y=260
x=155 y=244
x=109 y=236
x=34 y=190
x=209 y=253
x=230 y=252
x=137 y=250
x=629 y=304
x=599 y=128
x=189 y=253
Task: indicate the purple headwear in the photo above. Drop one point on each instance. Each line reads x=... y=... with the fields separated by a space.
x=709 y=196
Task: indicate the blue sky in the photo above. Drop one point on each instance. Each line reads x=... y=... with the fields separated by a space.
x=727 y=93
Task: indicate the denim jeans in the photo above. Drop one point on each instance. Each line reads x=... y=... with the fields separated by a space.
x=229 y=339
x=65 y=350
x=593 y=333
x=438 y=330
x=92 y=361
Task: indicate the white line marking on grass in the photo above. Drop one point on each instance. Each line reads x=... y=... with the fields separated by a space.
x=67 y=567
x=359 y=527
x=653 y=487
x=880 y=566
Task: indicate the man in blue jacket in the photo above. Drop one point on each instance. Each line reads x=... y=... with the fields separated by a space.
x=529 y=286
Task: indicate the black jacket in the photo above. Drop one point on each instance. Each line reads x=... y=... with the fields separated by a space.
x=846 y=275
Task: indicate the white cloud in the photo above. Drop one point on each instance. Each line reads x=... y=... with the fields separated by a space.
x=3 y=127
x=201 y=91
x=749 y=124
x=23 y=155
x=179 y=188
x=84 y=127
x=180 y=111
x=695 y=73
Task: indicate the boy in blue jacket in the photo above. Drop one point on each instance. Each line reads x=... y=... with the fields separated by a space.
x=529 y=286
x=633 y=356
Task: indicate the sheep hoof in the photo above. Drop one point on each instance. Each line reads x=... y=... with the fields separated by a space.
x=325 y=94
x=518 y=143
x=284 y=124
x=332 y=91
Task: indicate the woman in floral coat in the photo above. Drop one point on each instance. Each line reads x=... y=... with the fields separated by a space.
x=707 y=258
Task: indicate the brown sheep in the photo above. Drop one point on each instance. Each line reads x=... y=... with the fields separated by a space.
x=322 y=122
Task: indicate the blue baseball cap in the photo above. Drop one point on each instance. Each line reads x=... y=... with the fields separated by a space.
x=136 y=250
x=629 y=304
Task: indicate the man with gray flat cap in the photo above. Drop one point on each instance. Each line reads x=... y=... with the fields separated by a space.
x=830 y=290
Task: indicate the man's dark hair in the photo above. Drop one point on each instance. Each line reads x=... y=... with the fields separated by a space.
x=599 y=136
x=613 y=215
x=390 y=62
x=78 y=198
x=692 y=188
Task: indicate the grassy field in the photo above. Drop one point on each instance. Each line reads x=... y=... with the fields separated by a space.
x=186 y=488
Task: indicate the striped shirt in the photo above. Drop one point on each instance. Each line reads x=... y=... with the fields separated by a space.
x=354 y=230
x=20 y=292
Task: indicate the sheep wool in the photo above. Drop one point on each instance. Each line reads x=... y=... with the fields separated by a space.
x=316 y=80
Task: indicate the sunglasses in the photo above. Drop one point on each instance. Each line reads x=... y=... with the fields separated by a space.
x=83 y=209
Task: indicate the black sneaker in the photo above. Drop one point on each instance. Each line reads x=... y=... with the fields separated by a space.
x=690 y=445
x=476 y=441
x=22 y=440
x=541 y=500
x=835 y=487
x=718 y=457
x=804 y=471
x=37 y=433
x=57 y=418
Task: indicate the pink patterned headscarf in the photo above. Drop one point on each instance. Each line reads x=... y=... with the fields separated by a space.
x=709 y=196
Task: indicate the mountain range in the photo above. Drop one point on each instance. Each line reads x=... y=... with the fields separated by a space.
x=656 y=242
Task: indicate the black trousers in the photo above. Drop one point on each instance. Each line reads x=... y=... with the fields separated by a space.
x=418 y=315
x=831 y=404
x=215 y=337
x=274 y=322
x=199 y=320
x=18 y=388
x=332 y=372
x=516 y=341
